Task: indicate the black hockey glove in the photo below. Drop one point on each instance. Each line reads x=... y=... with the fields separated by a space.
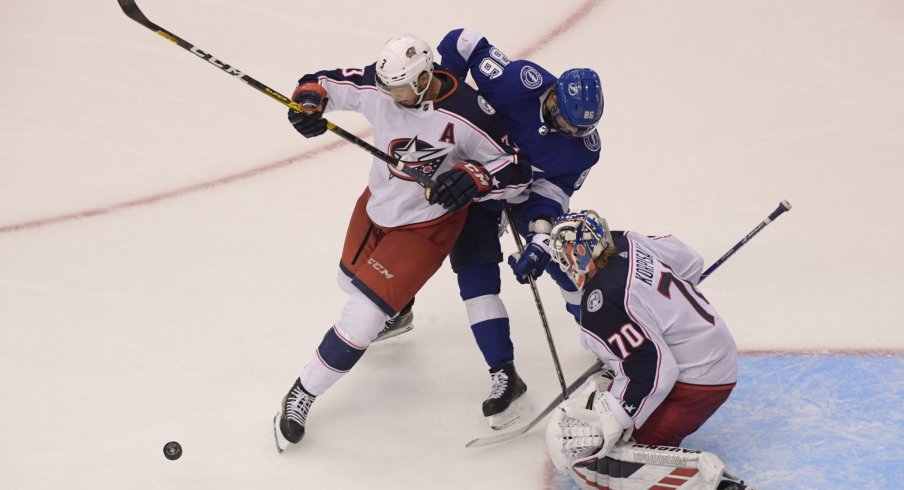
x=456 y=187
x=312 y=98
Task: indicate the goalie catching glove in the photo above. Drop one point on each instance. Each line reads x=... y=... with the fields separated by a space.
x=461 y=184
x=587 y=424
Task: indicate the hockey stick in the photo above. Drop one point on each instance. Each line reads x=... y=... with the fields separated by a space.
x=533 y=288
x=488 y=441
x=131 y=9
x=782 y=207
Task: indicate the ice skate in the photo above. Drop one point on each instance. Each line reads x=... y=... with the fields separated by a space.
x=506 y=403
x=399 y=324
x=288 y=423
x=734 y=485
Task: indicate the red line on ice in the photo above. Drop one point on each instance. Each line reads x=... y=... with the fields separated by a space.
x=557 y=31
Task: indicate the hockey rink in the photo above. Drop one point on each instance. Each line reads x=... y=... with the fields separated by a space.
x=169 y=244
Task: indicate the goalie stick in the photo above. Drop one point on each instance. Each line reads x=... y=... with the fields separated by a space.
x=499 y=438
x=131 y=9
x=782 y=207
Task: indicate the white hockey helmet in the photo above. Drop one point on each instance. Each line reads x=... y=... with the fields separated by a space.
x=402 y=60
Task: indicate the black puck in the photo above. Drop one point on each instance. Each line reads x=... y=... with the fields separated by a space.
x=172 y=450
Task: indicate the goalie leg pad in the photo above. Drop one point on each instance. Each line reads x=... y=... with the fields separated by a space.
x=640 y=467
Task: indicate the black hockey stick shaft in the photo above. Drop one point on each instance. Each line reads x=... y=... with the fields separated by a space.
x=131 y=9
x=782 y=207
x=500 y=438
x=537 y=300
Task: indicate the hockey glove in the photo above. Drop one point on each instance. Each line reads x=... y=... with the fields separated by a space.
x=615 y=423
x=575 y=431
x=533 y=261
x=312 y=99
x=456 y=187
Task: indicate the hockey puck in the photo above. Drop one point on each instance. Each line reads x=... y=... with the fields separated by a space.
x=172 y=450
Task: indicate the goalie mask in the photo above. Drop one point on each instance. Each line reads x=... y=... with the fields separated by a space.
x=401 y=62
x=576 y=240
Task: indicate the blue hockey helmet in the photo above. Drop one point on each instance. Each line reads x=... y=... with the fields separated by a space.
x=576 y=240
x=579 y=99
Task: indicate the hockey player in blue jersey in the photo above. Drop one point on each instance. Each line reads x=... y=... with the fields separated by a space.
x=553 y=120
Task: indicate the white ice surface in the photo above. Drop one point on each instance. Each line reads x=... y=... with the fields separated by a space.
x=201 y=276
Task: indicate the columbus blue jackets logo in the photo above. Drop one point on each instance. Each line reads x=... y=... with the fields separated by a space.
x=595 y=301
x=485 y=106
x=417 y=155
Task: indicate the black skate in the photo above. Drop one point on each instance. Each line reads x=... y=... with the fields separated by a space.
x=399 y=324
x=505 y=404
x=288 y=424
x=734 y=485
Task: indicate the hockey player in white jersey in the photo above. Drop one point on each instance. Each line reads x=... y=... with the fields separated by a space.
x=552 y=119
x=674 y=359
x=398 y=235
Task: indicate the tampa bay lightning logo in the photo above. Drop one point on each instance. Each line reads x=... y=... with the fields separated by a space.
x=573 y=89
x=592 y=141
x=530 y=77
x=416 y=154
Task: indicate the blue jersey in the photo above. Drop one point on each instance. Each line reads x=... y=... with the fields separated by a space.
x=517 y=89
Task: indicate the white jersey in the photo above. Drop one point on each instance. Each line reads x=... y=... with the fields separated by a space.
x=643 y=315
x=458 y=125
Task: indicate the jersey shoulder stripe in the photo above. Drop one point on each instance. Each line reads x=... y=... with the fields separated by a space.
x=358 y=77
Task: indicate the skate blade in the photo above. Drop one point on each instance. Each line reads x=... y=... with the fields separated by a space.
x=281 y=442
x=511 y=415
x=393 y=333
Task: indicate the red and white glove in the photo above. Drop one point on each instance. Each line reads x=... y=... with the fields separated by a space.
x=461 y=184
x=312 y=99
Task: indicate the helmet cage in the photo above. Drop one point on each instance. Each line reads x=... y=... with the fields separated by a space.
x=576 y=240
